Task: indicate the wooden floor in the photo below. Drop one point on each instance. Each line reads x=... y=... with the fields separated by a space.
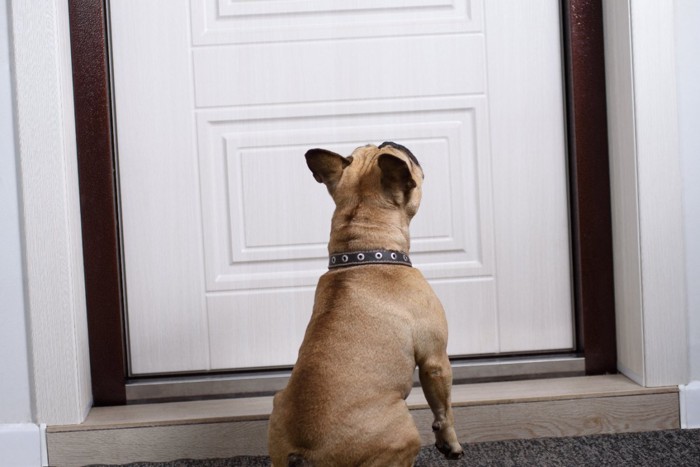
x=483 y=412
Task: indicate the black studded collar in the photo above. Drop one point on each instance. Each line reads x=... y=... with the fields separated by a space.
x=357 y=258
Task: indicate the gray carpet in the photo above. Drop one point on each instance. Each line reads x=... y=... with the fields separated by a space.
x=659 y=448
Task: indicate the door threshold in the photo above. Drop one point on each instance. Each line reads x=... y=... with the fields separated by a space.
x=224 y=428
x=262 y=383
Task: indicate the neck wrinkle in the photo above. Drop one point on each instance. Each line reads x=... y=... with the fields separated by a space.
x=357 y=236
x=365 y=225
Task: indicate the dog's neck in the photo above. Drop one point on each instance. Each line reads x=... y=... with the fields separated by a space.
x=356 y=229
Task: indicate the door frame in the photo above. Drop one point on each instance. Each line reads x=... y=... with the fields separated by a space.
x=589 y=182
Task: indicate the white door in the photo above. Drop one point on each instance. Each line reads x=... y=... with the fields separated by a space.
x=224 y=228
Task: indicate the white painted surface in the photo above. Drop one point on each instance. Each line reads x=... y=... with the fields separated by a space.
x=159 y=186
x=44 y=445
x=647 y=191
x=221 y=250
x=15 y=403
x=624 y=189
x=20 y=445
x=658 y=171
x=330 y=71
x=529 y=175
x=688 y=89
x=690 y=405
x=55 y=295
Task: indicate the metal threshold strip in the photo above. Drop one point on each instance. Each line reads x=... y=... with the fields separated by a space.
x=184 y=388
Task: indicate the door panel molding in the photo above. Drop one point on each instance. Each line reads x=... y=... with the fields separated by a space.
x=229 y=22
x=589 y=182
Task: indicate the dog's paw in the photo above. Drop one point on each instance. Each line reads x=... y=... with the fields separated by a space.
x=449 y=452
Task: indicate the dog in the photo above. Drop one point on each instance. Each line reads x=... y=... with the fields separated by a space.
x=374 y=319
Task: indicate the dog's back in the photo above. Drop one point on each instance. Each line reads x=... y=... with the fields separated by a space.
x=344 y=402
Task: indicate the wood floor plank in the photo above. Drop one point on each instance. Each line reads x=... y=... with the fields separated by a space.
x=525 y=420
x=582 y=387
x=256 y=408
x=259 y=408
x=158 y=443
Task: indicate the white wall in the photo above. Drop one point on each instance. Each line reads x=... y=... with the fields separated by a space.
x=688 y=88
x=688 y=82
x=15 y=403
x=20 y=438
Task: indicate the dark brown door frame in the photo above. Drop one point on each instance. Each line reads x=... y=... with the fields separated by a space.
x=589 y=192
x=589 y=179
x=98 y=200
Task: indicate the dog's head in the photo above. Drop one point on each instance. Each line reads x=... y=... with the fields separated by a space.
x=375 y=183
x=387 y=176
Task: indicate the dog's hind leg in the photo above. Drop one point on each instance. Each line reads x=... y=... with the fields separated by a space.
x=399 y=448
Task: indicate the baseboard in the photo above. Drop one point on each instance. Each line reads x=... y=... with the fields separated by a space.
x=690 y=405
x=21 y=445
x=483 y=412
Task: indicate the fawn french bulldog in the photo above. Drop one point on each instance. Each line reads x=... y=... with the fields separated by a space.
x=374 y=319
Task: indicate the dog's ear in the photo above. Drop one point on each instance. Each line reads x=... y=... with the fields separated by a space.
x=396 y=175
x=326 y=166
